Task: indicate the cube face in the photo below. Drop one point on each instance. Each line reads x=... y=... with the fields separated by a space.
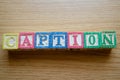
x=75 y=40
x=42 y=40
x=26 y=40
x=108 y=39
x=58 y=40
x=10 y=41
x=92 y=40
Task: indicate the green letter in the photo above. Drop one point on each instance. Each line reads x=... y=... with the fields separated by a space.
x=92 y=39
x=109 y=40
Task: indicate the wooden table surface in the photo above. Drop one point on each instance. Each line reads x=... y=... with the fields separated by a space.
x=60 y=15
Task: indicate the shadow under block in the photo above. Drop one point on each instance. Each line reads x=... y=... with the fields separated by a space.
x=92 y=39
x=26 y=40
x=108 y=39
x=42 y=40
x=58 y=40
x=10 y=41
x=75 y=40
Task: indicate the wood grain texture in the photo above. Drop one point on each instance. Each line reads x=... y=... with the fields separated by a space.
x=60 y=15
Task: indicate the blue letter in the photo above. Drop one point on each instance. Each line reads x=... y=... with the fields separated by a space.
x=42 y=38
x=58 y=40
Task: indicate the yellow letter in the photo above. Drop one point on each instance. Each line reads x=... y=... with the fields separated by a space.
x=8 y=42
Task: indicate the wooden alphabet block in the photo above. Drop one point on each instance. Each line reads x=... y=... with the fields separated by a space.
x=10 y=41
x=58 y=40
x=75 y=40
x=108 y=39
x=30 y=40
x=42 y=40
x=92 y=40
x=26 y=40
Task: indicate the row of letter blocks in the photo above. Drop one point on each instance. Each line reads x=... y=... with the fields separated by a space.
x=28 y=40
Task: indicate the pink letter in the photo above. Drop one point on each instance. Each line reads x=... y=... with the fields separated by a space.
x=26 y=41
x=75 y=40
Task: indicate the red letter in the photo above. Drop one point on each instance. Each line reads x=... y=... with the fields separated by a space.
x=75 y=40
x=26 y=41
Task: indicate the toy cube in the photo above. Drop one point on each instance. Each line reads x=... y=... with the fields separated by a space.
x=92 y=40
x=10 y=41
x=108 y=39
x=42 y=40
x=58 y=40
x=26 y=40
x=75 y=40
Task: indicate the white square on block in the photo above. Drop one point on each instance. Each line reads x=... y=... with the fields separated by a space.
x=107 y=35
x=96 y=40
x=23 y=39
x=45 y=42
x=78 y=38
x=62 y=40
x=10 y=41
